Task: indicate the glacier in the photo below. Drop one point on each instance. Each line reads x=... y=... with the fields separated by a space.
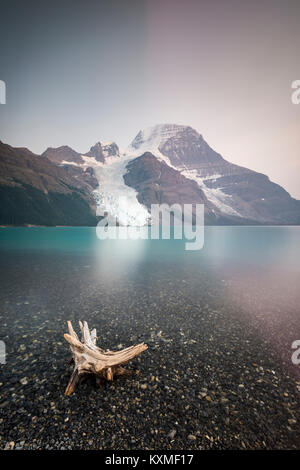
x=114 y=196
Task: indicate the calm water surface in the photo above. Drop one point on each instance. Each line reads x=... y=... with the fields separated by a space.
x=220 y=321
x=254 y=271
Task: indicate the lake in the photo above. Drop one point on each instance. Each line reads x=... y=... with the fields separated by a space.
x=219 y=323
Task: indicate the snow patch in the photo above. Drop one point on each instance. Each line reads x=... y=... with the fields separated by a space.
x=89 y=162
x=214 y=195
x=65 y=162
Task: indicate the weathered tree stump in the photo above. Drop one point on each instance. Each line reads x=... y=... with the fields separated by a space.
x=90 y=359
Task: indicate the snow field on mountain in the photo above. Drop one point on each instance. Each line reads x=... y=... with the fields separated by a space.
x=114 y=196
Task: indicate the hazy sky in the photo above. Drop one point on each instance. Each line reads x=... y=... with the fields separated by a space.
x=81 y=71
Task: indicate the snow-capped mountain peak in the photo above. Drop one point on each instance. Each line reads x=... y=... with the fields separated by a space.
x=101 y=150
x=158 y=133
x=184 y=149
x=152 y=139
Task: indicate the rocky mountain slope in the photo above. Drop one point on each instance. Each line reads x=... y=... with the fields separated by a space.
x=158 y=183
x=33 y=190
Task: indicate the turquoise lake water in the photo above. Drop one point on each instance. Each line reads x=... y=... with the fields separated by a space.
x=222 y=319
x=253 y=271
x=269 y=247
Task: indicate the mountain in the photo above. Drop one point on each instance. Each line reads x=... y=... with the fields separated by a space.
x=101 y=150
x=34 y=190
x=158 y=183
x=65 y=155
x=167 y=163
x=62 y=155
x=238 y=193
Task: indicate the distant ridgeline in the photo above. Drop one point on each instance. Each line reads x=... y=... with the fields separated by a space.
x=165 y=164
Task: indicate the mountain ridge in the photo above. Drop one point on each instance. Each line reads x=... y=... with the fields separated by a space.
x=33 y=190
x=166 y=163
x=235 y=190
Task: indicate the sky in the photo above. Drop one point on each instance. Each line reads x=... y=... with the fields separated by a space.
x=80 y=72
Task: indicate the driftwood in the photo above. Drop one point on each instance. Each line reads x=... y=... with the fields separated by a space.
x=90 y=359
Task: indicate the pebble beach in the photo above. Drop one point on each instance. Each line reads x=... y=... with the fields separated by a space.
x=207 y=381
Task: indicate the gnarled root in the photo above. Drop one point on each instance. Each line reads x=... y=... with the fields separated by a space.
x=90 y=359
